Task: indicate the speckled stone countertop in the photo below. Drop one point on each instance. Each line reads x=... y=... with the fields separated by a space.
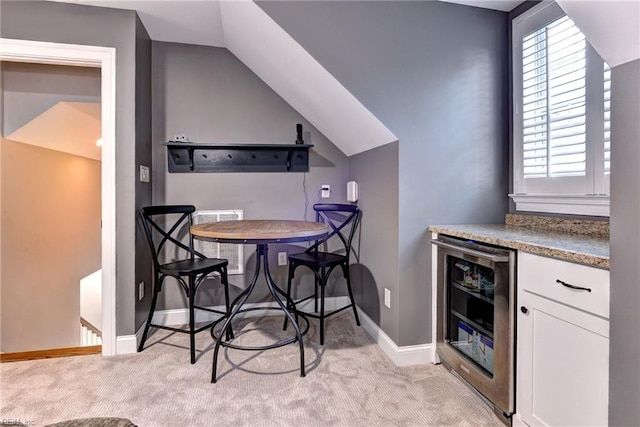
x=570 y=245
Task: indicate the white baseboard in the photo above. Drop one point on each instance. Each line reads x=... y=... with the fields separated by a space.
x=127 y=344
x=516 y=421
x=401 y=356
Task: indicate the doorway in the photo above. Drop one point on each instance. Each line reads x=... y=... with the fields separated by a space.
x=103 y=58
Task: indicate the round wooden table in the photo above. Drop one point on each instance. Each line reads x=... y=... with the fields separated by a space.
x=261 y=233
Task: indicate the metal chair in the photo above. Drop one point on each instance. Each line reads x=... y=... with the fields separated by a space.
x=344 y=221
x=195 y=266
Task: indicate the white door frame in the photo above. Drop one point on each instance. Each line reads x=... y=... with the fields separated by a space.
x=105 y=59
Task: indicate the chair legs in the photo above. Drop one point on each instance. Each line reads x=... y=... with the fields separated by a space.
x=320 y=281
x=347 y=276
x=323 y=285
x=192 y=319
x=224 y=279
x=156 y=289
x=191 y=291
x=291 y=307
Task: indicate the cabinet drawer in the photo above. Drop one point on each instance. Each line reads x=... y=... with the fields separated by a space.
x=539 y=275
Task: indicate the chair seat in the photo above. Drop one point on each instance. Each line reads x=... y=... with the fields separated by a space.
x=196 y=266
x=320 y=259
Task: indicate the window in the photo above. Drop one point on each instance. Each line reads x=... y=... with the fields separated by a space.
x=561 y=116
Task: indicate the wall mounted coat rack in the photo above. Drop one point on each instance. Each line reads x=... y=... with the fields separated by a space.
x=199 y=157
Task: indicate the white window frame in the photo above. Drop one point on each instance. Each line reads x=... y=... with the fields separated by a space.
x=559 y=195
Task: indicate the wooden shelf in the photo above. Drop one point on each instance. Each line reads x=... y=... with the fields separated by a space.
x=200 y=157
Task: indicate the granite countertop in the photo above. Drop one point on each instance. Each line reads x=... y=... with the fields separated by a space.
x=588 y=249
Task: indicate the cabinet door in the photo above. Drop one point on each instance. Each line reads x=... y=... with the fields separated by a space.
x=562 y=365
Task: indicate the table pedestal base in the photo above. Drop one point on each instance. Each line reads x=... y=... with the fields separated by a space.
x=236 y=308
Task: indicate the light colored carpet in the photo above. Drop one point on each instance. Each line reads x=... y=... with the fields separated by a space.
x=349 y=382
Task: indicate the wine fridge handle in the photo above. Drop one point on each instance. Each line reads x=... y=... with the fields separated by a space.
x=472 y=252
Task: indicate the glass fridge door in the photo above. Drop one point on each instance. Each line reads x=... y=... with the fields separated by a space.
x=470 y=311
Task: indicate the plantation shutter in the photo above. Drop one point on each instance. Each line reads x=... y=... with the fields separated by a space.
x=554 y=101
x=561 y=116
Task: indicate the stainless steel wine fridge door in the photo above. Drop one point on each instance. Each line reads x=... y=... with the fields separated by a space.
x=475 y=331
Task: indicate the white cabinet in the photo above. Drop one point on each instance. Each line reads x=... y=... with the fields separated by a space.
x=562 y=343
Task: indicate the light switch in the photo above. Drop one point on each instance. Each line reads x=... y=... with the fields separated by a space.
x=144 y=173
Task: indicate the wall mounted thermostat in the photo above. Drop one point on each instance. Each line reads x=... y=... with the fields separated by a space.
x=352 y=191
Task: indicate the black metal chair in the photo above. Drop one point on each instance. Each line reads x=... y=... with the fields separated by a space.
x=195 y=266
x=344 y=221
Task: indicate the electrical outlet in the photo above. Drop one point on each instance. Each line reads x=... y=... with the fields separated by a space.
x=140 y=291
x=387 y=298
x=282 y=258
x=326 y=191
x=144 y=173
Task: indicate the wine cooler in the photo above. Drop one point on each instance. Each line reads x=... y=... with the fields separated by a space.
x=475 y=312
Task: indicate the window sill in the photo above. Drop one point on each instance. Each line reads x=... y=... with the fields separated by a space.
x=592 y=205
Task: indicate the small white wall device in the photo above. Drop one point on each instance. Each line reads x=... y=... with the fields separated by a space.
x=325 y=191
x=352 y=191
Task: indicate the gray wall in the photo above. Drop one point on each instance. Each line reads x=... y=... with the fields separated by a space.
x=376 y=172
x=86 y=25
x=624 y=372
x=207 y=94
x=436 y=75
x=143 y=147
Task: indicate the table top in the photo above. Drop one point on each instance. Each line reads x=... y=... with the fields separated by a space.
x=260 y=231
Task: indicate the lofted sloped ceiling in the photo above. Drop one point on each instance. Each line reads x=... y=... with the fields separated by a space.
x=503 y=5
x=251 y=35
x=611 y=26
x=262 y=45
x=70 y=127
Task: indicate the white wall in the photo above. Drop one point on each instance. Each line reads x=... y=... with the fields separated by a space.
x=91 y=298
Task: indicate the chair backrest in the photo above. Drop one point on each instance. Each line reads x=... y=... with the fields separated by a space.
x=342 y=219
x=162 y=226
